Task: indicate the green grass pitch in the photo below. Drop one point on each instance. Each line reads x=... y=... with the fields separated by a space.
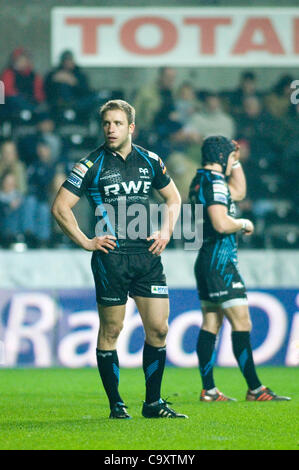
x=67 y=409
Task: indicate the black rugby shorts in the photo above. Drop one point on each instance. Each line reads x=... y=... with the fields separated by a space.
x=117 y=275
x=218 y=278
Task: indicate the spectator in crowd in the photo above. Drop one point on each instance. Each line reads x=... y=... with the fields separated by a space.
x=181 y=169
x=247 y=87
x=187 y=106
x=67 y=90
x=262 y=132
x=202 y=122
x=278 y=101
x=45 y=131
x=155 y=99
x=11 y=201
x=212 y=120
x=186 y=103
x=23 y=86
x=10 y=162
x=159 y=121
x=37 y=216
x=245 y=206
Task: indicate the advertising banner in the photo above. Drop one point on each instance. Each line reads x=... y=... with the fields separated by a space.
x=45 y=328
x=145 y=37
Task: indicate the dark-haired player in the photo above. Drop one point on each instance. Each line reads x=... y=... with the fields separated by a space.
x=120 y=174
x=221 y=288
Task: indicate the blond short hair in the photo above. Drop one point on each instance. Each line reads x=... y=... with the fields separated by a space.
x=122 y=106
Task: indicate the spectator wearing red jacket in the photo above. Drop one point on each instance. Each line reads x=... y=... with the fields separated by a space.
x=23 y=86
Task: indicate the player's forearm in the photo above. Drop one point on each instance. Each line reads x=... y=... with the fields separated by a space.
x=170 y=217
x=229 y=225
x=237 y=183
x=69 y=225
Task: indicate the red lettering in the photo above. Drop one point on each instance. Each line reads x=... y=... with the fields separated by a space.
x=245 y=42
x=168 y=41
x=207 y=30
x=89 y=27
x=296 y=35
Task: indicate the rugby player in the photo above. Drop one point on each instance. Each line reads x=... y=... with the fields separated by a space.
x=221 y=289
x=120 y=174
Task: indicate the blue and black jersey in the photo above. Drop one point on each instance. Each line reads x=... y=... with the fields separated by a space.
x=208 y=188
x=113 y=185
x=216 y=268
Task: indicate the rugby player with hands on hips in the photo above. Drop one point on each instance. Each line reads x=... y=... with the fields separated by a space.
x=118 y=175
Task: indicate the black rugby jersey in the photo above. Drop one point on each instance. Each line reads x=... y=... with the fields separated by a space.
x=209 y=187
x=113 y=185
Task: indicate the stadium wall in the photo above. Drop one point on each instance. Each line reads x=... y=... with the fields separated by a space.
x=48 y=314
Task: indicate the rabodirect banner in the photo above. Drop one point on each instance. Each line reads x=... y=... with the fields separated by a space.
x=47 y=328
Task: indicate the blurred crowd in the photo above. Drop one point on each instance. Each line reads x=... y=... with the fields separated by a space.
x=47 y=123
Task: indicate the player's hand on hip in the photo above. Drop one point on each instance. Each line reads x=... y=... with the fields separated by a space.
x=248 y=227
x=104 y=243
x=159 y=243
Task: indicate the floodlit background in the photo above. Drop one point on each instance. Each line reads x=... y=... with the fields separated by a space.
x=191 y=70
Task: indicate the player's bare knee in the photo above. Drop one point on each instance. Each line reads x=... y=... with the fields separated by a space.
x=245 y=322
x=241 y=324
x=110 y=332
x=161 y=333
x=158 y=334
x=212 y=325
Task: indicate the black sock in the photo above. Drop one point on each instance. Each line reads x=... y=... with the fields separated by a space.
x=108 y=366
x=206 y=356
x=243 y=354
x=153 y=367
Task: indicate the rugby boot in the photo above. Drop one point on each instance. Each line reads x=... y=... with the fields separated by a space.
x=265 y=394
x=119 y=411
x=215 y=396
x=160 y=409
